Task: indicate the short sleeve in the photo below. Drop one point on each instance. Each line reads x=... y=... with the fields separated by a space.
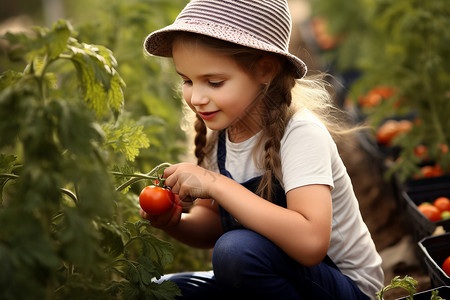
x=306 y=155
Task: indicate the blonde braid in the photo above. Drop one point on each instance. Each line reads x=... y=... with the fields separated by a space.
x=200 y=139
x=278 y=113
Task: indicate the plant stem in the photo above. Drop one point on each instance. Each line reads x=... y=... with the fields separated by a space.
x=64 y=191
x=70 y=194
x=40 y=80
x=9 y=176
x=137 y=177
x=435 y=120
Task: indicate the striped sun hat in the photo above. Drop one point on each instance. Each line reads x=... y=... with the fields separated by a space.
x=259 y=24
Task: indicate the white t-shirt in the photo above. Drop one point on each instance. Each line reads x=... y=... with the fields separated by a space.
x=310 y=156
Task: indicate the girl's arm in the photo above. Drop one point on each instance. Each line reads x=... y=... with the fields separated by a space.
x=199 y=228
x=302 y=230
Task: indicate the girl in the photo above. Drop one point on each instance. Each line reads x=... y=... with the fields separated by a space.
x=270 y=193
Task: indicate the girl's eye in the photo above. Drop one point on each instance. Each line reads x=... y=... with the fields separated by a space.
x=186 y=81
x=215 y=84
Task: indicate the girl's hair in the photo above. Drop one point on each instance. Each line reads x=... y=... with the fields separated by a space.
x=281 y=98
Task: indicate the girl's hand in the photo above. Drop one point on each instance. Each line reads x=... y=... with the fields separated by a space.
x=166 y=220
x=190 y=181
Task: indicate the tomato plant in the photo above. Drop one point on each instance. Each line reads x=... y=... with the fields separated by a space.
x=156 y=200
x=65 y=229
x=446 y=266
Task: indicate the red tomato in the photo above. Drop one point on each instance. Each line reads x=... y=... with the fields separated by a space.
x=432 y=171
x=386 y=132
x=420 y=151
x=443 y=147
x=156 y=200
x=442 y=203
x=390 y=129
x=446 y=266
x=430 y=211
x=384 y=91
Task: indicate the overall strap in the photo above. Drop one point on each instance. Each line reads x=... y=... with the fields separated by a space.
x=222 y=154
x=227 y=220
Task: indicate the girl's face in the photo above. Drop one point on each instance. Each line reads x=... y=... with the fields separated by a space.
x=219 y=90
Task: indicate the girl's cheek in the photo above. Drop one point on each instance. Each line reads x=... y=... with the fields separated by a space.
x=187 y=98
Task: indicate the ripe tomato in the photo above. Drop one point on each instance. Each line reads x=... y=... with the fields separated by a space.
x=386 y=132
x=442 y=203
x=446 y=266
x=431 y=171
x=430 y=211
x=156 y=200
x=384 y=91
x=443 y=148
x=390 y=129
x=420 y=151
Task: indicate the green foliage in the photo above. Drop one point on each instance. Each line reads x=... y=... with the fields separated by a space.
x=435 y=295
x=401 y=44
x=150 y=98
x=122 y=26
x=126 y=138
x=407 y=283
x=60 y=215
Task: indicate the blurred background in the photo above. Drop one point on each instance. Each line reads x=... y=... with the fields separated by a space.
x=388 y=60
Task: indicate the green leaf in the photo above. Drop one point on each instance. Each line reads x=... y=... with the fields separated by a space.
x=78 y=241
x=165 y=290
x=141 y=286
x=126 y=138
x=7 y=163
x=112 y=239
x=73 y=119
x=407 y=283
x=146 y=268
x=9 y=78
x=435 y=295
x=119 y=178
x=100 y=82
x=159 y=250
x=16 y=103
x=56 y=40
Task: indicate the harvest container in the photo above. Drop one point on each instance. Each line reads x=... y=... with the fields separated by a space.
x=444 y=292
x=415 y=195
x=435 y=250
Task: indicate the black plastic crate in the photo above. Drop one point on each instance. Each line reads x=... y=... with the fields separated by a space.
x=444 y=292
x=422 y=227
x=435 y=250
x=424 y=185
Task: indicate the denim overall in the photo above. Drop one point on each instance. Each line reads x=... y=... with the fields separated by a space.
x=246 y=265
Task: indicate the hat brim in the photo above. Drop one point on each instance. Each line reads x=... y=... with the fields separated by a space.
x=159 y=43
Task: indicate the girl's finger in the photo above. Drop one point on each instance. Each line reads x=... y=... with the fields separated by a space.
x=169 y=170
x=143 y=214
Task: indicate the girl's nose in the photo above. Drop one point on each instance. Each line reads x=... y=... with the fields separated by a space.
x=198 y=97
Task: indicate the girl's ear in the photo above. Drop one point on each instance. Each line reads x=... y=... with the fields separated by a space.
x=268 y=67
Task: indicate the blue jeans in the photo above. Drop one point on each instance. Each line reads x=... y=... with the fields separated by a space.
x=246 y=265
